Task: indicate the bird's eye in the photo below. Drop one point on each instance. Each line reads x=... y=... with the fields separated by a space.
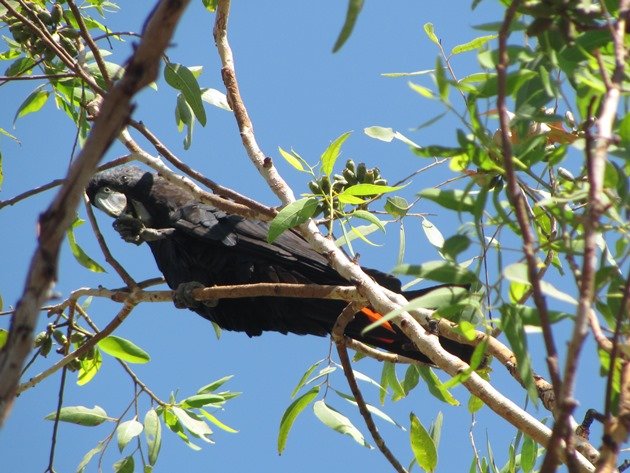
x=107 y=190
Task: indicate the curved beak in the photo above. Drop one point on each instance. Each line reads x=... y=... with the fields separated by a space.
x=111 y=202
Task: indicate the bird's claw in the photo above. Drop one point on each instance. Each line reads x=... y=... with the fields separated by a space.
x=129 y=228
x=183 y=296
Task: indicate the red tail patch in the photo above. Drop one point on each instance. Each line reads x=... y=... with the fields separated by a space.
x=375 y=317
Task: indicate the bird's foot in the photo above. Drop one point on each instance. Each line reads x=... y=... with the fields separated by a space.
x=183 y=296
x=133 y=230
x=129 y=228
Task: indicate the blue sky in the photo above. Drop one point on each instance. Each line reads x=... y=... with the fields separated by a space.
x=299 y=96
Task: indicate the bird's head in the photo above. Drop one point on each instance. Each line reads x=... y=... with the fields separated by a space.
x=120 y=192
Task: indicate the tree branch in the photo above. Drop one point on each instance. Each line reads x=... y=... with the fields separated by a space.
x=141 y=70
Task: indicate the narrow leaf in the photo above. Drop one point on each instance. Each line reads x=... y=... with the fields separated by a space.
x=89 y=367
x=370 y=189
x=472 y=45
x=181 y=78
x=123 y=349
x=153 y=435
x=89 y=455
x=354 y=8
x=195 y=426
x=451 y=199
x=217 y=422
x=32 y=103
x=338 y=422
x=292 y=160
x=78 y=253
x=81 y=415
x=428 y=29
x=441 y=271
x=365 y=215
x=304 y=377
x=216 y=98
x=214 y=385
x=289 y=416
x=330 y=155
x=294 y=214
x=422 y=445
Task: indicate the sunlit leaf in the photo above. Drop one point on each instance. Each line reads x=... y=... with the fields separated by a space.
x=126 y=432
x=291 y=159
x=123 y=349
x=153 y=435
x=32 y=103
x=304 y=377
x=330 y=155
x=81 y=415
x=428 y=29
x=338 y=422
x=291 y=414
x=294 y=214
x=432 y=233
x=217 y=422
x=422 y=445
x=373 y=410
x=78 y=253
x=214 y=385
x=90 y=365
x=473 y=44
x=89 y=455
x=4 y=335
x=216 y=98
x=195 y=426
x=126 y=465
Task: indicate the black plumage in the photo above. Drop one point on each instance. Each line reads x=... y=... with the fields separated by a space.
x=192 y=241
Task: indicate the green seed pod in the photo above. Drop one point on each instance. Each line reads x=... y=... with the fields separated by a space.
x=360 y=173
x=45 y=16
x=46 y=346
x=40 y=339
x=60 y=337
x=324 y=182
x=369 y=177
x=339 y=185
x=350 y=166
x=20 y=33
x=56 y=13
x=77 y=337
x=70 y=33
x=380 y=182
x=314 y=187
x=69 y=46
x=74 y=365
x=348 y=174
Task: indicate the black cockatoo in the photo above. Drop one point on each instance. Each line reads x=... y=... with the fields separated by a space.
x=195 y=242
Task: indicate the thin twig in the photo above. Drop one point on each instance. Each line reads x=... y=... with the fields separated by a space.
x=337 y=334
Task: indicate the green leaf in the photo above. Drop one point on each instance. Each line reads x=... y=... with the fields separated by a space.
x=294 y=214
x=428 y=29
x=354 y=8
x=528 y=454
x=330 y=155
x=123 y=349
x=425 y=92
x=373 y=410
x=455 y=245
x=217 y=422
x=216 y=98
x=512 y=326
x=90 y=365
x=451 y=199
x=441 y=271
x=4 y=335
x=78 y=253
x=422 y=445
x=214 y=385
x=304 y=377
x=397 y=206
x=153 y=435
x=89 y=455
x=196 y=427
x=291 y=159
x=126 y=465
x=184 y=117
x=181 y=78
x=436 y=428
x=200 y=400
x=370 y=189
x=81 y=415
x=126 y=432
x=338 y=422
x=32 y=103
x=438 y=389
x=365 y=215
x=357 y=232
x=472 y=45
x=432 y=233
x=289 y=416
x=390 y=379
x=211 y=5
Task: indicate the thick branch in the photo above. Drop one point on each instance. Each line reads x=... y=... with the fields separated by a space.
x=141 y=70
